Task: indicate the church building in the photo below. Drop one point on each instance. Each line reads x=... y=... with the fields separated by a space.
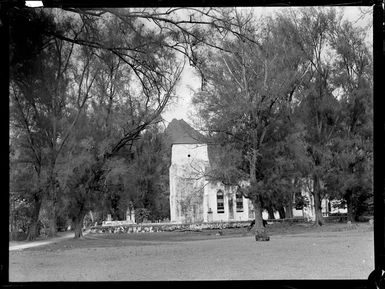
x=195 y=199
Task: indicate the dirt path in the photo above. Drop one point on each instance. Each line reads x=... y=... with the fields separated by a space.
x=326 y=255
x=13 y=246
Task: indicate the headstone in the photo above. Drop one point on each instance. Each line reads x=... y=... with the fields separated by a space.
x=109 y=218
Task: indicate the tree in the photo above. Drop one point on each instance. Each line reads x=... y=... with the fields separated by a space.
x=336 y=94
x=124 y=105
x=352 y=148
x=151 y=162
x=27 y=42
x=245 y=103
x=144 y=183
x=51 y=100
x=25 y=195
x=319 y=107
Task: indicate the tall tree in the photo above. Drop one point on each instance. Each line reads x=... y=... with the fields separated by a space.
x=352 y=147
x=28 y=116
x=246 y=101
x=49 y=92
x=319 y=108
x=336 y=96
x=51 y=100
x=125 y=103
x=152 y=159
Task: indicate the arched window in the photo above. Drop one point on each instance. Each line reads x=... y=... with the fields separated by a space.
x=220 y=202
x=239 y=201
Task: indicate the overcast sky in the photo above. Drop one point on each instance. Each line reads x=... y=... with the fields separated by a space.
x=190 y=82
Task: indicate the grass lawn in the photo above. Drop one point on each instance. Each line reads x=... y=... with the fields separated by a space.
x=298 y=251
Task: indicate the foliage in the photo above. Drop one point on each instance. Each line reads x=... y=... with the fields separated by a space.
x=246 y=105
x=301 y=202
x=151 y=158
x=142 y=215
x=66 y=90
x=287 y=112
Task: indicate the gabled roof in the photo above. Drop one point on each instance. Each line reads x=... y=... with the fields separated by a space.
x=180 y=132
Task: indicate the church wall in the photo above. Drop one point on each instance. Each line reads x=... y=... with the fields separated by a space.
x=210 y=204
x=193 y=199
x=187 y=182
x=180 y=153
x=173 y=193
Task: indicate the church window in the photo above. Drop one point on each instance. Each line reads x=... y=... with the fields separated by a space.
x=220 y=202
x=239 y=201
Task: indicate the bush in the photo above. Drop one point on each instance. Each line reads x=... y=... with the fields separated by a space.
x=142 y=214
x=17 y=236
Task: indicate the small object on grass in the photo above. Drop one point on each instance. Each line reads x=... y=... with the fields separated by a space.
x=220 y=233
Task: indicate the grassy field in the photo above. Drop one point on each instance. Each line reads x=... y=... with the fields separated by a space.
x=298 y=251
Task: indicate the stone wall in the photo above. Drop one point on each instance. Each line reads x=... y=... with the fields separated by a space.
x=159 y=227
x=170 y=227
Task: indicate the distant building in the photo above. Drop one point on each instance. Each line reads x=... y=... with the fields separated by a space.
x=193 y=198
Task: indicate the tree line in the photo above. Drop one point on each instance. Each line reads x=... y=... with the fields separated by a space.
x=292 y=108
x=285 y=98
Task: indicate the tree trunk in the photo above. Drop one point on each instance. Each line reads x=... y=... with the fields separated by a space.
x=52 y=198
x=32 y=228
x=260 y=231
x=52 y=219
x=350 y=208
x=77 y=223
x=289 y=208
x=52 y=215
x=319 y=220
x=270 y=211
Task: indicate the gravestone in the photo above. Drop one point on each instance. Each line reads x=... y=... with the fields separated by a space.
x=130 y=214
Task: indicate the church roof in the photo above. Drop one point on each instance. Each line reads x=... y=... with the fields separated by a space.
x=180 y=132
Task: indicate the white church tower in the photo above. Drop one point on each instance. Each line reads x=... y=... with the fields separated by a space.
x=189 y=159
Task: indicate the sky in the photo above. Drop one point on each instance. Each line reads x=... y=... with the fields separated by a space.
x=190 y=81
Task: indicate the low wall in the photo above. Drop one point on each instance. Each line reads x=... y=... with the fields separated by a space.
x=167 y=227
x=170 y=227
x=288 y=220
